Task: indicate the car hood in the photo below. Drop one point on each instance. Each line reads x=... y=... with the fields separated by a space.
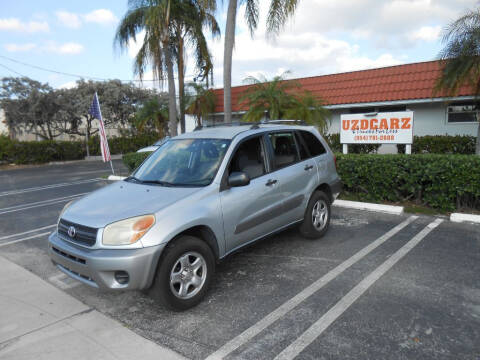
x=123 y=200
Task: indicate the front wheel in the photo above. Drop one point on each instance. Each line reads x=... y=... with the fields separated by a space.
x=184 y=273
x=317 y=216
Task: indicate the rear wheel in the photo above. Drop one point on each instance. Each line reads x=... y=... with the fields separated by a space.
x=184 y=273
x=317 y=216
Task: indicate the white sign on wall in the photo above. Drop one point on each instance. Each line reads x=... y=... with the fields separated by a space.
x=377 y=128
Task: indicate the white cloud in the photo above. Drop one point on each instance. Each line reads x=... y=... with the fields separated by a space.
x=69 y=48
x=68 y=19
x=19 y=47
x=14 y=24
x=101 y=16
x=426 y=33
x=68 y=85
x=134 y=46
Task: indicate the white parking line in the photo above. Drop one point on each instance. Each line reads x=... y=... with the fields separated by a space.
x=255 y=329
x=24 y=239
x=340 y=307
x=38 y=203
x=46 y=187
x=27 y=232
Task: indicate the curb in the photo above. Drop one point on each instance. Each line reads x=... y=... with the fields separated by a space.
x=459 y=218
x=115 y=177
x=389 y=209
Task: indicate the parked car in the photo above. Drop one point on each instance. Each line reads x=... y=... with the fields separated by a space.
x=155 y=146
x=200 y=197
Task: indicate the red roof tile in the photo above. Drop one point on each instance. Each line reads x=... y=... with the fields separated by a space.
x=401 y=82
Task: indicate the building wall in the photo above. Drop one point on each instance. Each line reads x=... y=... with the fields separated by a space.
x=429 y=119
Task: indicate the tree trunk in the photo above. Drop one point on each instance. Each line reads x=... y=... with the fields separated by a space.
x=477 y=147
x=227 y=59
x=172 y=103
x=181 y=83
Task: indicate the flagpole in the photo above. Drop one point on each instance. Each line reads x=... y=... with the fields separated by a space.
x=111 y=165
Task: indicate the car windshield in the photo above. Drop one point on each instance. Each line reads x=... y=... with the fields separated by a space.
x=183 y=162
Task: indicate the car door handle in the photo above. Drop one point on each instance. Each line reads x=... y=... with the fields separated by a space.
x=271 y=182
x=308 y=167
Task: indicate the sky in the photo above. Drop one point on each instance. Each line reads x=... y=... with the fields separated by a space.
x=324 y=37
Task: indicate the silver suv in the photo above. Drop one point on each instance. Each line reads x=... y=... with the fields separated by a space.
x=199 y=197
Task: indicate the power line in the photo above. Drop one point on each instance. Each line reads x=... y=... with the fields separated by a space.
x=75 y=75
x=11 y=70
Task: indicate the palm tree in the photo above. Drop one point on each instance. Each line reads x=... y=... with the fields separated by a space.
x=278 y=13
x=152 y=113
x=461 y=53
x=201 y=103
x=152 y=17
x=283 y=99
x=189 y=19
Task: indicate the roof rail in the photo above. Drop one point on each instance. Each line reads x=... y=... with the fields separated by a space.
x=300 y=122
x=253 y=125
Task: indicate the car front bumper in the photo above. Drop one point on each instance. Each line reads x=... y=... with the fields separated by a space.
x=101 y=268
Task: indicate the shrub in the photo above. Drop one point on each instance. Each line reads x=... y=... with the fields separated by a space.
x=134 y=159
x=444 y=182
x=441 y=144
x=334 y=143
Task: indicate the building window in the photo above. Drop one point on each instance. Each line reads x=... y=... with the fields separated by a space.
x=462 y=113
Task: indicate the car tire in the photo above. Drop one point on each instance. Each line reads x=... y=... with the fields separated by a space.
x=317 y=216
x=181 y=282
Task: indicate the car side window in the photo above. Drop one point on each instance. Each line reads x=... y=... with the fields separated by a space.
x=249 y=158
x=284 y=149
x=314 y=145
x=301 y=147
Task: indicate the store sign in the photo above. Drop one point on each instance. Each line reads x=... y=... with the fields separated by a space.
x=377 y=128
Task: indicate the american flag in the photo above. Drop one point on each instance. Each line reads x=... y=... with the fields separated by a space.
x=97 y=114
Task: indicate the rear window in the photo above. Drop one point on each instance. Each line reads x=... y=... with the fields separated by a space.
x=314 y=145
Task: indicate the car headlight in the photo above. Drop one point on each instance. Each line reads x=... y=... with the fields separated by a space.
x=128 y=231
x=64 y=209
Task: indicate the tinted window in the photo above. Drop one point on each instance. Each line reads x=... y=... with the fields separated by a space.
x=249 y=158
x=314 y=145
x=284 y=149
x=301 y=147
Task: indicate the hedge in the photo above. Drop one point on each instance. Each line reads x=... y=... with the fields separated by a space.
x=441 y=144
x=34 y=152
x=334 y=143
x=444 y=182
x=133 y=160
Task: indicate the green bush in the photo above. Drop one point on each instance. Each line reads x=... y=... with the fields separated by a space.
x=441 y=144
x=445 y=182
x=334 y=143
x=134 y=159
x=36 y=152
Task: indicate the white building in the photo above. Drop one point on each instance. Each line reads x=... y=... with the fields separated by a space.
x=395 y=88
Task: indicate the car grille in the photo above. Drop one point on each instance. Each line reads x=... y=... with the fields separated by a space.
x=84 y=235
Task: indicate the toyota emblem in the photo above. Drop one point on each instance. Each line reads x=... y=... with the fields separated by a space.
x=72 y=231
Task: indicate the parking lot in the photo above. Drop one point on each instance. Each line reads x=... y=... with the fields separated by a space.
x=377 y=286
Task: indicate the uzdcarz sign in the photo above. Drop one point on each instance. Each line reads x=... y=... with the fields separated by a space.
x=377 y=128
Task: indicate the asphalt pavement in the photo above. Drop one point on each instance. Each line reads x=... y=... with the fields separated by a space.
x=377 y=286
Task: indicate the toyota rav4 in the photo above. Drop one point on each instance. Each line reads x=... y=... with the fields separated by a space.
x=199 y=197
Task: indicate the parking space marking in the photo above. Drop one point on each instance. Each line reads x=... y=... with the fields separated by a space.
x=38 y=203
x=283 y=309
x=340 y=307
x=27 y=232
x=24 y=239
x=47 y=187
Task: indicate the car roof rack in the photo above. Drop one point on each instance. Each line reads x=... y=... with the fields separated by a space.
x=253 y=125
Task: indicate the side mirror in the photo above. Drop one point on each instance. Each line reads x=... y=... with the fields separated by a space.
x=238 y=179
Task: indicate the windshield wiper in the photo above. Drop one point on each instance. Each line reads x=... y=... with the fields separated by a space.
x=158 y=182
x=129 y=178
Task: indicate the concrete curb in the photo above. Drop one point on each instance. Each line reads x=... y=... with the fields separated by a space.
x=389 y=209
x=115 y=177
x=459 y=218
